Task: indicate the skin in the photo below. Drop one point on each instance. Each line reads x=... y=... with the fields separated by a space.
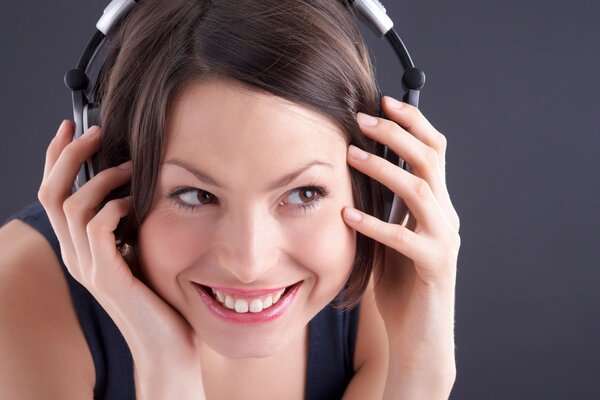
x=417 y=291
x=414 y=303
x=249 y=235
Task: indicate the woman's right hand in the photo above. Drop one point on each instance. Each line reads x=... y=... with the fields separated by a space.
x=162 y=343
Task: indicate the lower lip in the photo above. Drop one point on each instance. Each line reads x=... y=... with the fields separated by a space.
x=265 y=315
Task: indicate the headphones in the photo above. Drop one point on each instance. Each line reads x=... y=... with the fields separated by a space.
x=82 y=79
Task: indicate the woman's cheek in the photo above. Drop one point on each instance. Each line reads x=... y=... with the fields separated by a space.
x=326 y=247
x=322 y=245
x=168 y=246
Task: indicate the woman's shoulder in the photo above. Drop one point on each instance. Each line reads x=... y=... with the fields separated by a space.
x=44 y=352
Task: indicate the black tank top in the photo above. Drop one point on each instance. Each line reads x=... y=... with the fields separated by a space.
x=332 y=336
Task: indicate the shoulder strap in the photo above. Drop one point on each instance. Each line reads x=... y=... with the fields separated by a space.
x=332 y=338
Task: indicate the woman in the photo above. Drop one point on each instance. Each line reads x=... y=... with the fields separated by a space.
x=233 y=232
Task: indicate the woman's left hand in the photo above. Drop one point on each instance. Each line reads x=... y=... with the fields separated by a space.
x=416 y=293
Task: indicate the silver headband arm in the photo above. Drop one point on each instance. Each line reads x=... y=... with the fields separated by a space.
x=113 y=14
x=374 y=15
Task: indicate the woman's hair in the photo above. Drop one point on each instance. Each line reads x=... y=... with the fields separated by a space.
x=309 y=52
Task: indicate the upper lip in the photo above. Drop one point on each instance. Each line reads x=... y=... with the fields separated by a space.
x=246 y=292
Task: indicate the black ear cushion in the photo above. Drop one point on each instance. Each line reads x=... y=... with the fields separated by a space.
x=93 y=115
x=382 y=150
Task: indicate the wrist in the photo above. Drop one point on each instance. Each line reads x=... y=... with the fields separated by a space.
x=420 y=377
x=167 y=373
x=424 y=329
x=168 y=381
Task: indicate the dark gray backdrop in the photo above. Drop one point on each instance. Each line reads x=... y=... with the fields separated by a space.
x=513 y=86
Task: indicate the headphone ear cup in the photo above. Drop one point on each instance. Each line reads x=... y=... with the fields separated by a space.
x=91 y=115
x=394 y=208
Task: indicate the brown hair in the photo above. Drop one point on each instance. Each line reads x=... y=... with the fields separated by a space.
x=309 y=52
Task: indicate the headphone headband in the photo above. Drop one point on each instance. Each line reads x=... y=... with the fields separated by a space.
x=113 y=13
x=83 y=78
x=372 y=12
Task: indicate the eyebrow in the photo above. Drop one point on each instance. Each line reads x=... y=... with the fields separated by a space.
x=284 y=180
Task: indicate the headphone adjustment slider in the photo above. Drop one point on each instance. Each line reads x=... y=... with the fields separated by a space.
x=113 y=13
x=375 y=16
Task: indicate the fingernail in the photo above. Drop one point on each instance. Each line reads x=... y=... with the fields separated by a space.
x=352 y=215
x=357 y=154
x=92 y=131
x=126 y=165
x=366 y=120
x=61 y=127
x=393 y=103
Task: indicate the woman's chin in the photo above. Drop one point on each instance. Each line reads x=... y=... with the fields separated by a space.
x=247 y=347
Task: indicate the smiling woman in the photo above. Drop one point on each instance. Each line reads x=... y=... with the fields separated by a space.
x=326 y=73
x=235 y=224
x=240 y=228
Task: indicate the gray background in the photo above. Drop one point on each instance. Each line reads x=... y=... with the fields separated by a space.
x=512 y=84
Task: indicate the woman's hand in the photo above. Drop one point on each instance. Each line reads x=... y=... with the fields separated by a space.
x=161 y=341
x=416 y=294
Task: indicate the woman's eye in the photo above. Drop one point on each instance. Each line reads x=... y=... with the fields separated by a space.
x=192 y=198
x=302 y=196
x=305 y=197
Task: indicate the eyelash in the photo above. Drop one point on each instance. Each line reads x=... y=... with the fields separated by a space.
x=320 y=191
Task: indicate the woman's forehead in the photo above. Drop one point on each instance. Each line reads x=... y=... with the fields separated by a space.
x=222 y=125
x=225 y=110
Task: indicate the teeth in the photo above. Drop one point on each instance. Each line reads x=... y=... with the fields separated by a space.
x=229 y=303
x=241 y=306
x=254 y=305
x=267 y=302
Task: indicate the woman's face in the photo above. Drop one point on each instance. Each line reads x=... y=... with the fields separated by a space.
x=248 y=202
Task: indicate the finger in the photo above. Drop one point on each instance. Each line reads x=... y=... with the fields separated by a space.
x=45 y=192
x=393 y=236
x=415 y=191
x=126 y=298
x=426 y=162
x=55 y=148
x=56 y=186
x=81 y=207
x=423 y=160
x=108 y=263
x=57 y=144
x=64 y=171
x=411 y=119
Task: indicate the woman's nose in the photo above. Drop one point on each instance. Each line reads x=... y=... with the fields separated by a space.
x=249 y=246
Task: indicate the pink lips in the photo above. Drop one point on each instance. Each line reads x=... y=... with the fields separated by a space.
x=265 y=315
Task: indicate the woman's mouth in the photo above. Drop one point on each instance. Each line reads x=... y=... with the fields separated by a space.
x=244 y=304
x=247 y=306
